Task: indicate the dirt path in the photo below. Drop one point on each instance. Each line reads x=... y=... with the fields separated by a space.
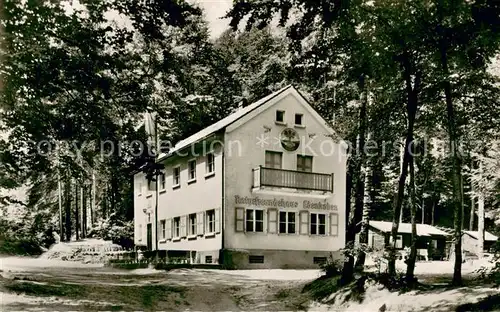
x=70 y=289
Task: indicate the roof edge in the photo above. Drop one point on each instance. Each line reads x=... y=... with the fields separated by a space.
x=271 y=96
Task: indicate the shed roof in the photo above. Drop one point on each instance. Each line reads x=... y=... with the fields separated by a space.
x=422 y=229
x=487 y=235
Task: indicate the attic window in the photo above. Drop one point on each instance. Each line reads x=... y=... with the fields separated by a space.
x=280 y=116
x=298 y=119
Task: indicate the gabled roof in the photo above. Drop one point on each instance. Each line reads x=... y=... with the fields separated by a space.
x=487 y=235
x=422 y=229
x=223 y=123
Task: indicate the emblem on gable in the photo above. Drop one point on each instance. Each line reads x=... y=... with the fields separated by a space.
x=290 y=140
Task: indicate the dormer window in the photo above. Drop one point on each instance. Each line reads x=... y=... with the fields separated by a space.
x=298 y=119
x=280 y=116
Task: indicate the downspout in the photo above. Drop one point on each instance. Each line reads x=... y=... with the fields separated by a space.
x=223 y=212
x=156 y=189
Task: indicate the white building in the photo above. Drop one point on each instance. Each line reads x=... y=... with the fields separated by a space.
x=263 y=187
x=470 y=241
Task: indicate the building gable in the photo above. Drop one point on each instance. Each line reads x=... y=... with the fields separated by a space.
x=277 y=99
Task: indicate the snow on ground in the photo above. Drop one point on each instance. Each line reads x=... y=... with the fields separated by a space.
x=25 y=264
x=10 y=298
x=437 y=267
x=437 y=300
x=446 y=267
x=276 y=274
x=376 y=296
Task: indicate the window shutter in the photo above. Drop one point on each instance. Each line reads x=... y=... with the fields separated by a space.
x=205 y=222
x=199 y=225
x=158 y=230
x=334 y=224
x=304 y=222
x=272 y=220
x=168 y=229
x=183 y=226
x=240 y=219
x=217 y=220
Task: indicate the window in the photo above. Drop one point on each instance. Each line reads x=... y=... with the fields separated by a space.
x=254 y=220
x=192 y=224
x=298 y=119
x=280 y=116
x=161 y=178
x=399 y=242
x=177 y=227
x=177 y=176
x=318 y=224
x=151 y=185
x=273 y=159
x=304 y=163
x=210 y=163
x=287 y=222
x=139 y=186
x=255 y=259
x=150 y=203
x=434 y=244
x=192 y=170
x=163 y=230
x=210 y=221
x=140 y=233
x=208 y=259
x=319 y=260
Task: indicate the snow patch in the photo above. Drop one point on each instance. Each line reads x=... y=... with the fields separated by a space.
x=377 y=296
x=85 y=251
x=10 y=299
x=276 y=274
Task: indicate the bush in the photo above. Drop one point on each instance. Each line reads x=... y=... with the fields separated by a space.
x=492 y=274
x=19 y=247
x=116 y=230
x=25 y=235
x=332 y=267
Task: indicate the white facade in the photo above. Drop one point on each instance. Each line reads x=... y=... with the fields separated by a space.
x=252 y=202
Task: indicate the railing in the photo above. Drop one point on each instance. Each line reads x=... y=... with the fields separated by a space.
x=263 y=176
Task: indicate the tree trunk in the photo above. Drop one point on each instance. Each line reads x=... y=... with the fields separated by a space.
x=480 y=221
x=480 y=226
x=410 y=270
x=68 y=209
x=84 y=212
x=365 y=219
x=348 y=269
x=114 y=191
x=92 y=204
x=462 y=226
x=411 y=108
x=59 y=197
x=456 y=171
x=453 y=137
x=472 y=203
x=77 y=207
x=423 y=208
x=105 y=203
x=472 y=212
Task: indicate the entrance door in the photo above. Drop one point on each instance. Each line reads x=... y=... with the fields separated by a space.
x=150 y=236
